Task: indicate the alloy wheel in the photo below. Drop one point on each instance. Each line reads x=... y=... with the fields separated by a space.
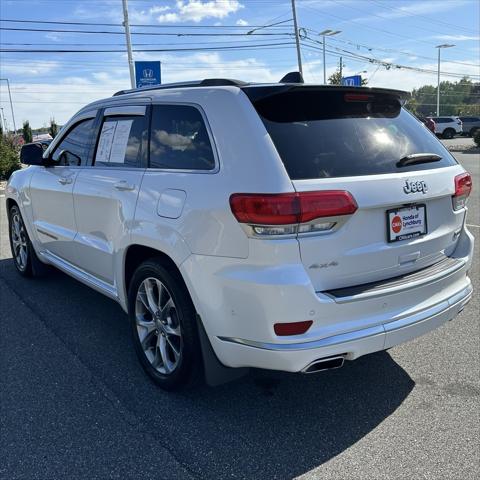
x=158 y=326
x=19 y=241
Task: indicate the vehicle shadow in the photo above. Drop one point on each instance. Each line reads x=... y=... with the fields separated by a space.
x=266 y=425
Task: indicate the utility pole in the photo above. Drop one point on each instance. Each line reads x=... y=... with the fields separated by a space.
x=129 y=43
x=11 y=104
x=439 y=47
x=341 y=70
x=297 y=38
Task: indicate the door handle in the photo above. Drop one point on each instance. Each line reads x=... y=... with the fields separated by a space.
x=65 y=180
x=123 y=185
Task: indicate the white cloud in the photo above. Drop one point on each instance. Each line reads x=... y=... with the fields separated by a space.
x=25 y=69
x=55 y=37
x=196 y=10
x=241 y=22
x=416 y=8
x=456 y=38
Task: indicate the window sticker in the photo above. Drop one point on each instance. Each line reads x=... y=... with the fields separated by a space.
x=105 y=142
x=113 y=141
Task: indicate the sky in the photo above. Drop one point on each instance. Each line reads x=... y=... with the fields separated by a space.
x=389 y=42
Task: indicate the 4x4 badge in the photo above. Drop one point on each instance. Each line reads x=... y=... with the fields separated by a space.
x=414 y=187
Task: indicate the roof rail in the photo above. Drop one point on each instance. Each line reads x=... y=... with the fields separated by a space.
x=208 y=82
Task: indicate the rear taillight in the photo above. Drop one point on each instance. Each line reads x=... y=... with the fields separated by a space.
x=463 y=187
x=291 y=213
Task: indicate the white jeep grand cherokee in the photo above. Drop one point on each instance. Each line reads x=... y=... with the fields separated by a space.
x=281 y=226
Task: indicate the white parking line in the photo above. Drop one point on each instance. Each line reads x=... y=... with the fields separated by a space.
x=473 y=225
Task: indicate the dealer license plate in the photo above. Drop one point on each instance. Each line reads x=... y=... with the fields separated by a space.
x=406 y=222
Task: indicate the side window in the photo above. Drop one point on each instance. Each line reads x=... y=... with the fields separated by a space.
x=73 y=149
x=179 y=139
x=122 y=142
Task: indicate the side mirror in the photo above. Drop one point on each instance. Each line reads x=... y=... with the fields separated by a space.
x=32 y=154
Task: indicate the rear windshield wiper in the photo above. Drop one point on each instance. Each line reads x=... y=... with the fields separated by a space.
x=415 y=158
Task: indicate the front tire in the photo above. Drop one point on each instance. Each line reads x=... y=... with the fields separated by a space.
x=164 y=330
x=24 y=257
x=448 y=133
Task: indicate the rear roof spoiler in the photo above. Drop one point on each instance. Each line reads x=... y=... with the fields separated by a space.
x=259 y=92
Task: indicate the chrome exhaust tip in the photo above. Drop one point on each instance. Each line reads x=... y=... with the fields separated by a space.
x=322 y=364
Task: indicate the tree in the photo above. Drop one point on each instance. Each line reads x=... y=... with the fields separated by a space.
x=8 y=157
x=27 y=132
x=53 y=129
x=456 y=98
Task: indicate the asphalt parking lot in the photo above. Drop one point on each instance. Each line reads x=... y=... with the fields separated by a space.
x=74 y=402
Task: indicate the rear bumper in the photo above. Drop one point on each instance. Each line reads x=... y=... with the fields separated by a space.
x=239 y=303
x=294 y=357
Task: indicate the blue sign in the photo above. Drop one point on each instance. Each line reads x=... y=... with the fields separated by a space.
x=353 y=81
x=147 y=74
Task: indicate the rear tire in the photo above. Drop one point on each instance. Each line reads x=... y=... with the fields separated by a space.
x=448 y=133
x=164 y=329
x=24 y=257
x=473 y=131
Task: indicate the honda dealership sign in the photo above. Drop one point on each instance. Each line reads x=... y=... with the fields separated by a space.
x=147 y=74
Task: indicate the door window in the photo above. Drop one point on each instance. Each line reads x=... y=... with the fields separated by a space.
x=122 y=142
x=179 y=139
x=74 y=147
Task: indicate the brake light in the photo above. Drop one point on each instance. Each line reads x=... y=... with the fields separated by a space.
x=293 y=328
x=463 y=187
x=357 y=97
x=284 y=213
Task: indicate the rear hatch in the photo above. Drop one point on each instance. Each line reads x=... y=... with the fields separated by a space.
x=362 y=141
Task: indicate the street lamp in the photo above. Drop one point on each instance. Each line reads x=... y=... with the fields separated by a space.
x=444 y=45
x=327 y=33
x=4 y=123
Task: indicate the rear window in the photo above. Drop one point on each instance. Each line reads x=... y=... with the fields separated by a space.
x=321 y=134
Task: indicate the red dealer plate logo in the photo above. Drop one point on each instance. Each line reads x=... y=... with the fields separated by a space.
x=396 y=224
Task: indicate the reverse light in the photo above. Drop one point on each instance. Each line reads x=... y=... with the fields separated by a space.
x=291 y=213
x=463 y=187
x=292 y=328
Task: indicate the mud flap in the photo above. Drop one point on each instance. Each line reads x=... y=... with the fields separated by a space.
x=215 y=372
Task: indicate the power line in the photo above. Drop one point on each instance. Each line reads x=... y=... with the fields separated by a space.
x=370 y=14
x=109 y=32
x=388 y=65
x=144 y=50
x=428 y=19
x=392 y=50
x=146 y=25
x=343 y=19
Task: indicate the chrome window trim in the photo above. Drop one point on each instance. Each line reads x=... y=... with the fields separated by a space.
x=125 y=110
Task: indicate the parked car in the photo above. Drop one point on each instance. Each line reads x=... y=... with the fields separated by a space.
x=428 y=122
x=470 y=125
x=285 y=226
x=447 y=127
